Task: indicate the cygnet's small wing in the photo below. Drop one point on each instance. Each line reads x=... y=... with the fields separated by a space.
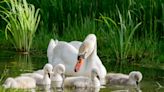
x=113 y=78
x=25 y=82
x=79 y=81
x=8 y=82
x=36 y=76
x=41 y=72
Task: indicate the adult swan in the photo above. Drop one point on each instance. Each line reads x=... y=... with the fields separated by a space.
x=77 y=62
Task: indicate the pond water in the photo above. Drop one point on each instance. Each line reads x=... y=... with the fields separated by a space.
x=13 y=64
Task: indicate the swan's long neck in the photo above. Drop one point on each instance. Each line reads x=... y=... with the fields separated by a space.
x=94 y=52
x=94 y=60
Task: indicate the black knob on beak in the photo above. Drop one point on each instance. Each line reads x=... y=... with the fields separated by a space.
x=78 y=57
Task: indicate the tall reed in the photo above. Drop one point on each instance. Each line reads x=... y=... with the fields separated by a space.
x=22 y=22
x=80 y=29
x=56 y=12
x=119 y=35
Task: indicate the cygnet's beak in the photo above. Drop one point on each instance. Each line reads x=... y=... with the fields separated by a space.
x=49 y=75
x=137 y=82
x=79 y=63
x=98 y=77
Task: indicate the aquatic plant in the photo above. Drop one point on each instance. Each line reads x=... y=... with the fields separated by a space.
x=67 y=20
x=22 y=22
x=79 y=30
x=119 y=35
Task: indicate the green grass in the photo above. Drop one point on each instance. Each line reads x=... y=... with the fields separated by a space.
x=56 y=12
x=80 y=29
x=11 y=90
x=120 y=35
x=22 y=22
x=131 y=30
x=41 y=41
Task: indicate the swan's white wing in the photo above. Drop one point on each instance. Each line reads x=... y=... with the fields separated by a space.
x=50 y=48
x=76 y=44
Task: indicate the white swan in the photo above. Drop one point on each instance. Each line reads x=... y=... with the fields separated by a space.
x=67 y=54
x=57 y=78
x=83 y=82
x=42 y=79
x=20 y=82
x=133 y=78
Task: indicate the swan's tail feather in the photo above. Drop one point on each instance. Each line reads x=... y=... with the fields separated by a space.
x=50 y=48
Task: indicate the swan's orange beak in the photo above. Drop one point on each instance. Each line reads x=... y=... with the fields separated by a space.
x=78 y=64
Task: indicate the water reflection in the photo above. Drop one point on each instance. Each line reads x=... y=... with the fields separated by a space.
x=17 y=64
x=43 y=88
x=53 y=89
x=13 y=64
x=23 y=63
x=86 y=90
x=118 y=88
x=57 y=89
